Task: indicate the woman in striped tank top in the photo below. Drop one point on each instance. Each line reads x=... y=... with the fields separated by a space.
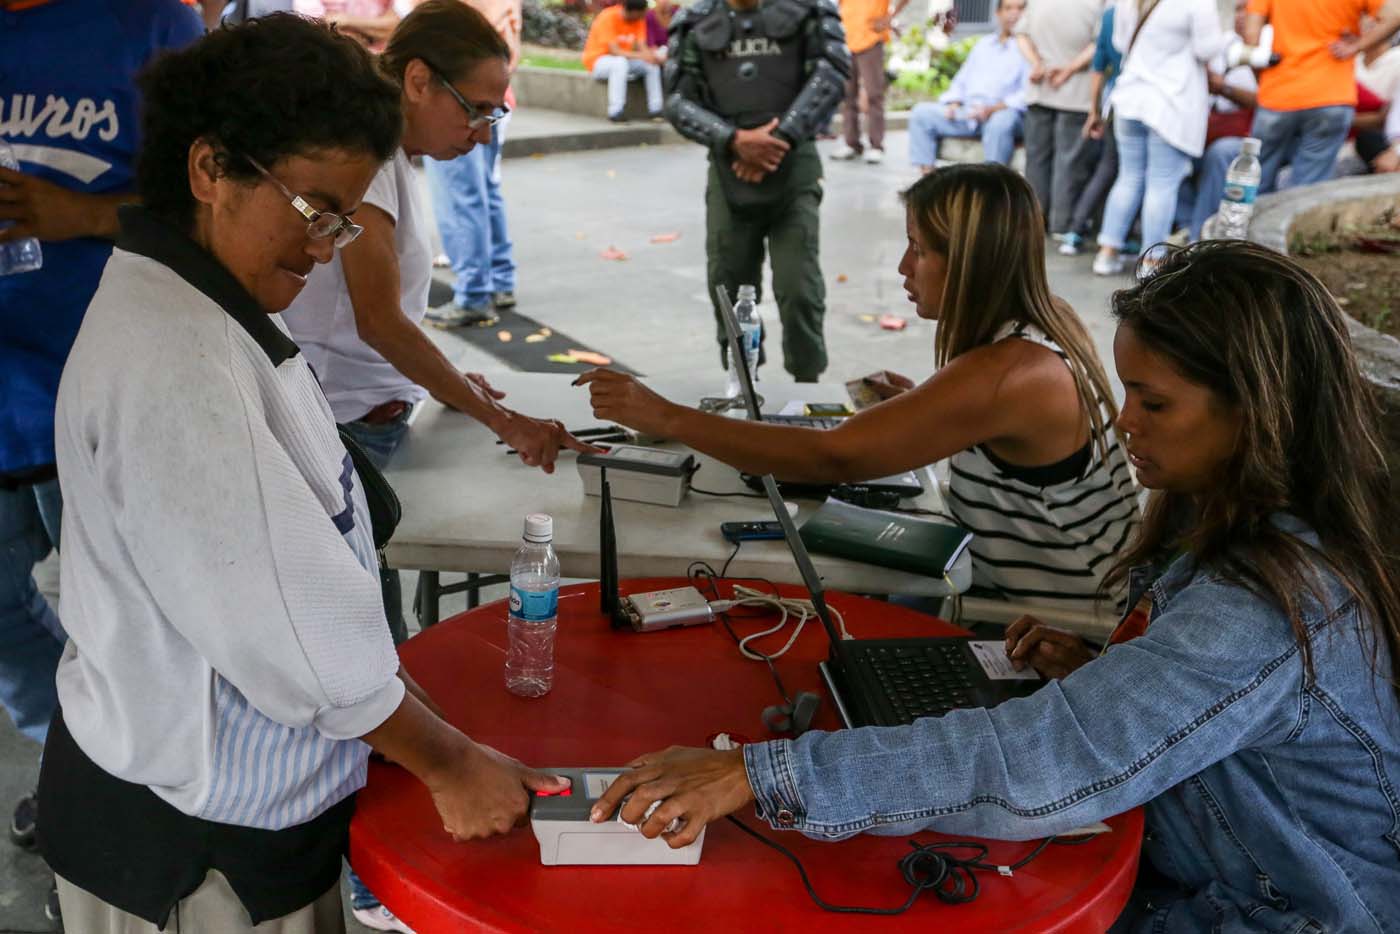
x=1019 y=404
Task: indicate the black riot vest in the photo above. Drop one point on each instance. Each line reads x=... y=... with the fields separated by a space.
x=753 y=59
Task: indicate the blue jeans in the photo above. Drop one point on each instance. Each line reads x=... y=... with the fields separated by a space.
x=1308 y=140
x=361 y=897
x=1150 y=171
x=379 y=441
x=31 y=639
x=929 y=125
x=471 y=217
x=617 y=71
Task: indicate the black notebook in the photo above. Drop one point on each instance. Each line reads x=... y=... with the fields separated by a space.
x=887 y=539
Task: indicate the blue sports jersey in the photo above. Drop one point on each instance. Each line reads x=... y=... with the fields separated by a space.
x=69 y=107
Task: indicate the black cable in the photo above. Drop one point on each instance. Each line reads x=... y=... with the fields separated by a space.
x=741 y=495
x=929 y=868
x=724 y=571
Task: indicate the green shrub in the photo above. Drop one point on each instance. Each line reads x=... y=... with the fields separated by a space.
x=552 y=61
x=553 y=24
x=921 y=73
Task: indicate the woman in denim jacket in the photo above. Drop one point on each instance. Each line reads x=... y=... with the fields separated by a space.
x=1249 y=701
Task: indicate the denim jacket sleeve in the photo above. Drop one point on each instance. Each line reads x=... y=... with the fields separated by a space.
x=1217 y=671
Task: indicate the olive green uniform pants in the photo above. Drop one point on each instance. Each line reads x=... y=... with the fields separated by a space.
x=735 y=242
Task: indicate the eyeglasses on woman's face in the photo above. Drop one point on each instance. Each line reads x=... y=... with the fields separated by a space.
x=475 y=118
x=320 y=225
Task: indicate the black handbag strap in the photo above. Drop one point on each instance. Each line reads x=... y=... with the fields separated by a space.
x=1145 y=8
x=385 y=509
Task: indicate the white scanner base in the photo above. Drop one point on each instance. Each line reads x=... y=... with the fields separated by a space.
x=568 y=838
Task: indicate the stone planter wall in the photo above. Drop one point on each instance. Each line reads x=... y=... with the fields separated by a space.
x=1291 y=217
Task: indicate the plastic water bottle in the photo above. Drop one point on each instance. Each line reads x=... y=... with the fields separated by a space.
x=534 y=608
x=750 y=337
x=18 y=255
x=1241 y=188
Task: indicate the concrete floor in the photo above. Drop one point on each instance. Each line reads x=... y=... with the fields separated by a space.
x=650 y=312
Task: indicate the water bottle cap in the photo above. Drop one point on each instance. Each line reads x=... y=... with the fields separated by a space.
x=539 y=528
x=1250 y=146
x=747 y=291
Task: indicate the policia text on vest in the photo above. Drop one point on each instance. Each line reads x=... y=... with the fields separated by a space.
x=741 y=65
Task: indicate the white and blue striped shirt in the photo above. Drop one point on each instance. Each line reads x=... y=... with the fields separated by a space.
x=227 y=634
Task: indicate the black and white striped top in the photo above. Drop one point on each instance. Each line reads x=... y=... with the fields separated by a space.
x=1044 y=535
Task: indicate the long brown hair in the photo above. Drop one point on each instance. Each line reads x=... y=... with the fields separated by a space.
x=447 y=35
x=985 y=219
x=1269 y=341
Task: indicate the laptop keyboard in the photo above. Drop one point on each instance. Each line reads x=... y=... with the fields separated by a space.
x=922 y=680
x=804 y=421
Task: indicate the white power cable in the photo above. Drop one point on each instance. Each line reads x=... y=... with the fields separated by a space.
x=786 y=607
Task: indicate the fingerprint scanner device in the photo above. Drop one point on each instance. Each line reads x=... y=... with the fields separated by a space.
x=639 y=474
x=889 y=682
x=642 y=612
x=568 y=838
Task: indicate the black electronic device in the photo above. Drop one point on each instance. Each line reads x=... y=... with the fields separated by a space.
x=644 y=612
x=609 y=600
x=899 y=487
x=736 y=532
x=889 y=682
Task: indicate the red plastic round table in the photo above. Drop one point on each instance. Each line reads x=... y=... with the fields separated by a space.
x=619 y=694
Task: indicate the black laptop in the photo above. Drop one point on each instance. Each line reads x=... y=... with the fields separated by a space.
x=906 y=484
x=889 y=682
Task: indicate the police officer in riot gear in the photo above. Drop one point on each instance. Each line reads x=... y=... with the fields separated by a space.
x=753 y=80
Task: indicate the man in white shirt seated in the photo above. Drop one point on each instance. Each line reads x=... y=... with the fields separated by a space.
x=986 y=98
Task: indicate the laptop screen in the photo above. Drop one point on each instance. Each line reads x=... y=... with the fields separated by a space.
x=736 y=354
x=770 y=486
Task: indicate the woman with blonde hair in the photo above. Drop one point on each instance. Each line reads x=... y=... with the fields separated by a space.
x=1019 y=404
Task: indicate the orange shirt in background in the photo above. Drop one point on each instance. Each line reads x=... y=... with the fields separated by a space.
x=1308 y=76
x=856 y=16
x=608 y=27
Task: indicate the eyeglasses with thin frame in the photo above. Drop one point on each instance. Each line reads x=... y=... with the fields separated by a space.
x=475 y=118
x=320 y=225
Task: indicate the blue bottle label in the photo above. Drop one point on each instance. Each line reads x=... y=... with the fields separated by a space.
x=1241 y=194
x=533 y=605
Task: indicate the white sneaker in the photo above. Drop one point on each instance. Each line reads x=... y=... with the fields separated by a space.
x=1105 y=265
x=380 y=918
x=874 y=156
x=844 y=152
x=1071 y=245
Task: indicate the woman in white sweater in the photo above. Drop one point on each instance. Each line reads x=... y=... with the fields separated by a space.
x=1161 y=104
x=229 y=667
